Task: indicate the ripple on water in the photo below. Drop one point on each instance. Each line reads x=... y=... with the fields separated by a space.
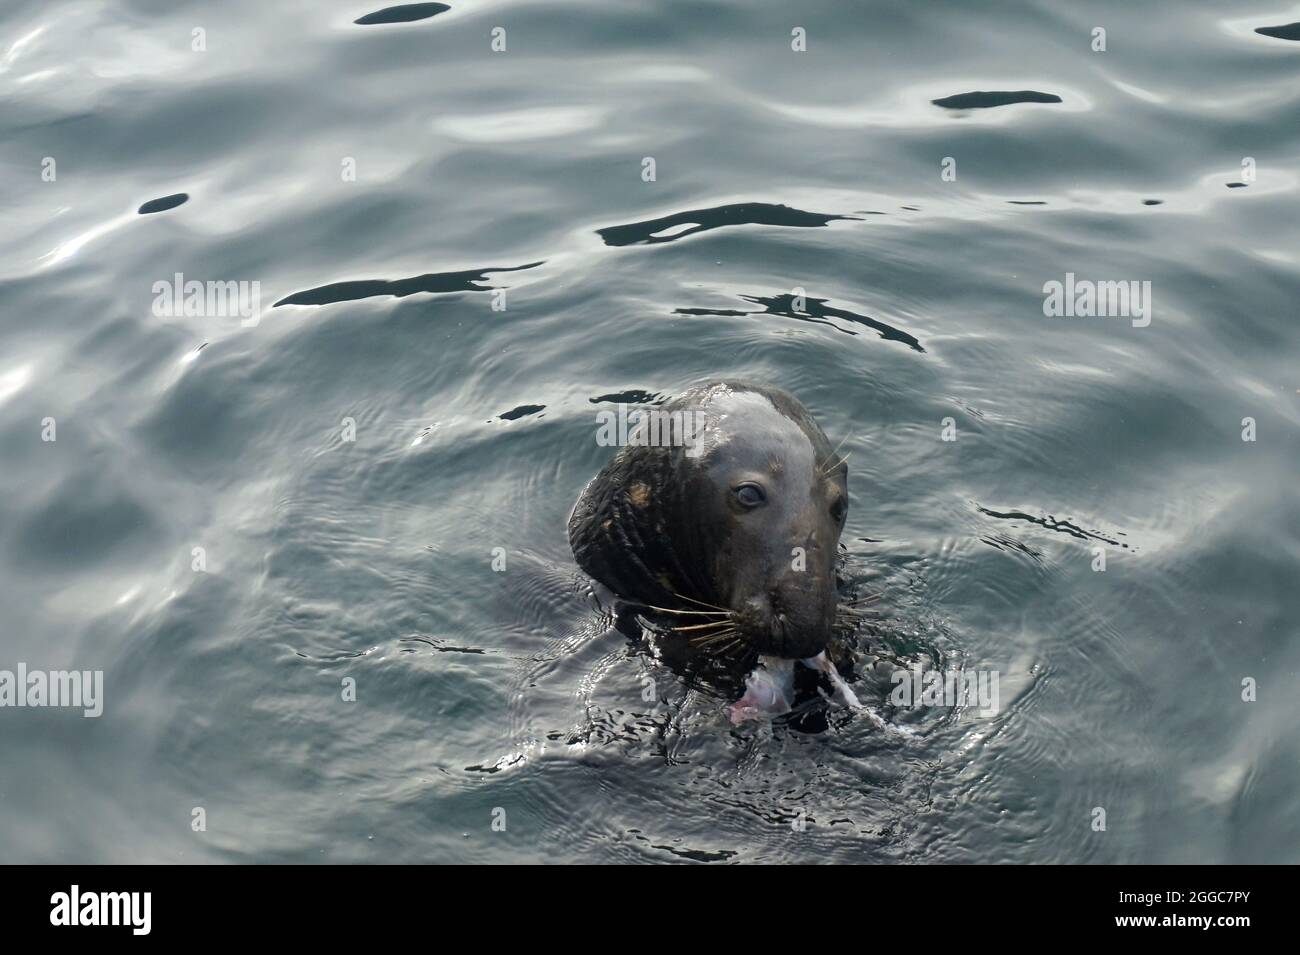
x=431 y=282
x=1288 y=31
x=403 y=13
x=682 y=224
x=990 y=99
x=163 y=204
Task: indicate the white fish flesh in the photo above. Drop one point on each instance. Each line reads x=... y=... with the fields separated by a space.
x=769 y=689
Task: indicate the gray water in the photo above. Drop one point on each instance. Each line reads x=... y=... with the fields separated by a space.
x=204 y=532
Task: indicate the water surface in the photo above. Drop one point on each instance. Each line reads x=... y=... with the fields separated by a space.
x=799 y=230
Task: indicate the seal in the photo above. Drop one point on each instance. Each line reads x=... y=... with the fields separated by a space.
x=727 y=516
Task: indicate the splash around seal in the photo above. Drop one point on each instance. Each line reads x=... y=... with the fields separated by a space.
x=732 y=528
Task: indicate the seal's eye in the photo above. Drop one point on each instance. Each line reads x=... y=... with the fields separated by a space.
x=750 y=495
x=839 y=509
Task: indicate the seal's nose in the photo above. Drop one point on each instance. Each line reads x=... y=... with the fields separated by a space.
x=754 y=618
x=755 y=614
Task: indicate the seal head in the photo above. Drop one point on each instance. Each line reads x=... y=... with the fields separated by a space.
x=738 y=506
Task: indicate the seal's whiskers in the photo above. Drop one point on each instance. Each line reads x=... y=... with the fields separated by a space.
x=821 y=467
x=711 y=625
x=727 y=641
x=843 y=460
x=702 y=603
x=702 y=613
x=707 y=638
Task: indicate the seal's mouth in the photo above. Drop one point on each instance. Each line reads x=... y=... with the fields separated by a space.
x=763 y=628
x=796 y=643
x=773 y=630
